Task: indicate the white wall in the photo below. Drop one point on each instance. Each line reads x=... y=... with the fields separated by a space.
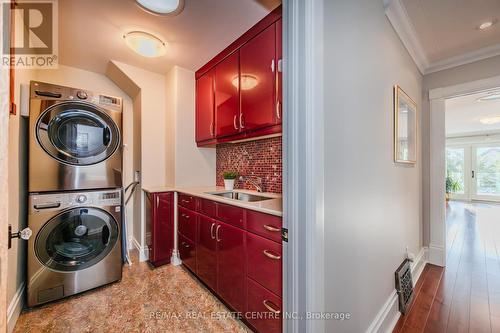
x=193 y=166
x=372 y=205
x=467 y=73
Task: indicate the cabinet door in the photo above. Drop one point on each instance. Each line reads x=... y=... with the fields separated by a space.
x=279 y=71
x=187 y=252
x=227 y=98
x=264 y=309
x=162 y=232
x=257 y=74
x=231 y=265
x=264 y=262
x=206 y=251
x=205 y=107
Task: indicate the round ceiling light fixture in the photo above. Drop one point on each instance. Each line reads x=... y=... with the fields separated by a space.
x=162 y=7
x=487 y=24
x=145 y=44
x=248 y=81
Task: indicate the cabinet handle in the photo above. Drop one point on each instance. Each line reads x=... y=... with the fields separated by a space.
x=217 y=233
x=212 y=231
x=268 y=254
x=280 y=65
x=212 y=128
x=267 y=303
x=278 y=115
x=241 y=120
x=186 y=201
x=234 y=123
x=157 y=202
x=272 y=66
x=271 y=228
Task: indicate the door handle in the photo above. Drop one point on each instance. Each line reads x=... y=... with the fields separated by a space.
x=267 y=303
x=48 y=206
x=234 y=122
x=271 y=255
x=212 y=231
x=241 y=120
x=473 y=174
x=217 y=233
x=278 y=115
x=271 y=228
x=272 y=65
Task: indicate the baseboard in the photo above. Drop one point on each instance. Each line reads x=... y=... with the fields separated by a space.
x=436 y=255
x=15 y=307
x=389 y=314
x=143 y=250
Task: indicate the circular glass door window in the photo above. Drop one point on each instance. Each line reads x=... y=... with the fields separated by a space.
x=77 y=133
x=76 y=239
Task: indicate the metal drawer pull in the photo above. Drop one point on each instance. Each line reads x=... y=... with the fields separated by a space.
x=185 y=216
x=212 y=231
x=217 y=233
x=271 y=228
x=186 y=201
x=48 y=206
x=269 y=307
x=268 y=254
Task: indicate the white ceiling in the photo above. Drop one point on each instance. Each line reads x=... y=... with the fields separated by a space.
x=90 y=31
x=441 y=34
x=463 y=115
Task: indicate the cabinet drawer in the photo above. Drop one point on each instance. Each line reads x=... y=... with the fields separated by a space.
x=187 y=201
x=263 y=308
x=207 y=207
x=264 y=262
x=265 y=225
x=187 y=252
x=231 y=214
x=187 y=223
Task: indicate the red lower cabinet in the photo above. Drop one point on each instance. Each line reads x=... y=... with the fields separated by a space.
x=161 y=225
x=263 y=308
x=206 y=251
x=231 y=265
x=187 y=252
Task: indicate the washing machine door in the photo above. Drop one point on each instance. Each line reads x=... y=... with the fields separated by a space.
x=76 y=239
x=77 y=133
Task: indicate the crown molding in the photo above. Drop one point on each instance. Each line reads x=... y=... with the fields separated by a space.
x=400 y=21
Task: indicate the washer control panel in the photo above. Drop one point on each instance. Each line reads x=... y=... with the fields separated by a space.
x=60 y=201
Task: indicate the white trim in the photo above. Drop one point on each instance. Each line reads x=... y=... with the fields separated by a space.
x=436 y=255
x=463 y=59
x=400 y=21
x=15 y=307
x=303 y=195
x=388 y=316
x=143 y=250
x=492 y=83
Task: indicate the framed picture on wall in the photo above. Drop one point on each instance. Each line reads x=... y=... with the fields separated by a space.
x=405 y=127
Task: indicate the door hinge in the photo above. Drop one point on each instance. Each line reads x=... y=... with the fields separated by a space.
x=284 y=234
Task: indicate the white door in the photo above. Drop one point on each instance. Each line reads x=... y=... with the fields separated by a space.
x=458 y=170
x=485 y=173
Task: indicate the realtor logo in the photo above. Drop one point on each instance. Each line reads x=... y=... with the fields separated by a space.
x=33 y=41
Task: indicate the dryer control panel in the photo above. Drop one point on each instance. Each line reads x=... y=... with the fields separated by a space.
x=60 y=201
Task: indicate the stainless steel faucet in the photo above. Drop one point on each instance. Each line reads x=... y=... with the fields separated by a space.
x=257 y=183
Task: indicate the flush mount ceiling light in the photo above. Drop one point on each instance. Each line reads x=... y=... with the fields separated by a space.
x=490 y=120
x=489 y=97
x=162 y=7
x=247 y=81
x=145 y=44
x=487 y=24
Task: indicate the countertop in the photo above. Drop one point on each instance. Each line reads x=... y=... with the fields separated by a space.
x=272 y=206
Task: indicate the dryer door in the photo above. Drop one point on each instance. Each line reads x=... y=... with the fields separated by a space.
x=76 y=239
x=77 y=133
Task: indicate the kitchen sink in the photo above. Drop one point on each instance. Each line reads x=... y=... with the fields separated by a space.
x=241 y=196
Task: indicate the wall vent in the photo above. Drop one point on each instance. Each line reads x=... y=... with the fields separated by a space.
x=404 y=285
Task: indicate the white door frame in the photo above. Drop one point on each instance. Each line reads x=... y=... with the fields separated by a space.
x=437 y=97
x=303 y=194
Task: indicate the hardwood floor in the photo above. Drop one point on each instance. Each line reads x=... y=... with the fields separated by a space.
x=465 y=296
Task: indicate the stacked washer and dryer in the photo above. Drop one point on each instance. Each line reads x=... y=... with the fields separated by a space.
x=75 y=191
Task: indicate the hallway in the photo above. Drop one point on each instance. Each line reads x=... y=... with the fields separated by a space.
x=464 y=297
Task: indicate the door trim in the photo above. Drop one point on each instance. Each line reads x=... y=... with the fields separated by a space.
x=303 y=147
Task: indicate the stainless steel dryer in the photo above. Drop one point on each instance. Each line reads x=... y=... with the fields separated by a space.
x=75 y=244
x=75 y=139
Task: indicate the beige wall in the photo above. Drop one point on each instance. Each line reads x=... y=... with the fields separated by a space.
x=372 y=205
x=471 y=72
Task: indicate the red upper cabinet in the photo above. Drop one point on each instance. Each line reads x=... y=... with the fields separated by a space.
x=205 y=107
x=161 y=223
x=227 y=97
x=279 y=71
x=257 y=74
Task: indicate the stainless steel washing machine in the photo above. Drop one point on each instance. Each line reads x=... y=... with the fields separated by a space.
x=75 y=244
x=75 y=139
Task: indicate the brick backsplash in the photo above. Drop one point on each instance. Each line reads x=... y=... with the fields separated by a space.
x=261 y=158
